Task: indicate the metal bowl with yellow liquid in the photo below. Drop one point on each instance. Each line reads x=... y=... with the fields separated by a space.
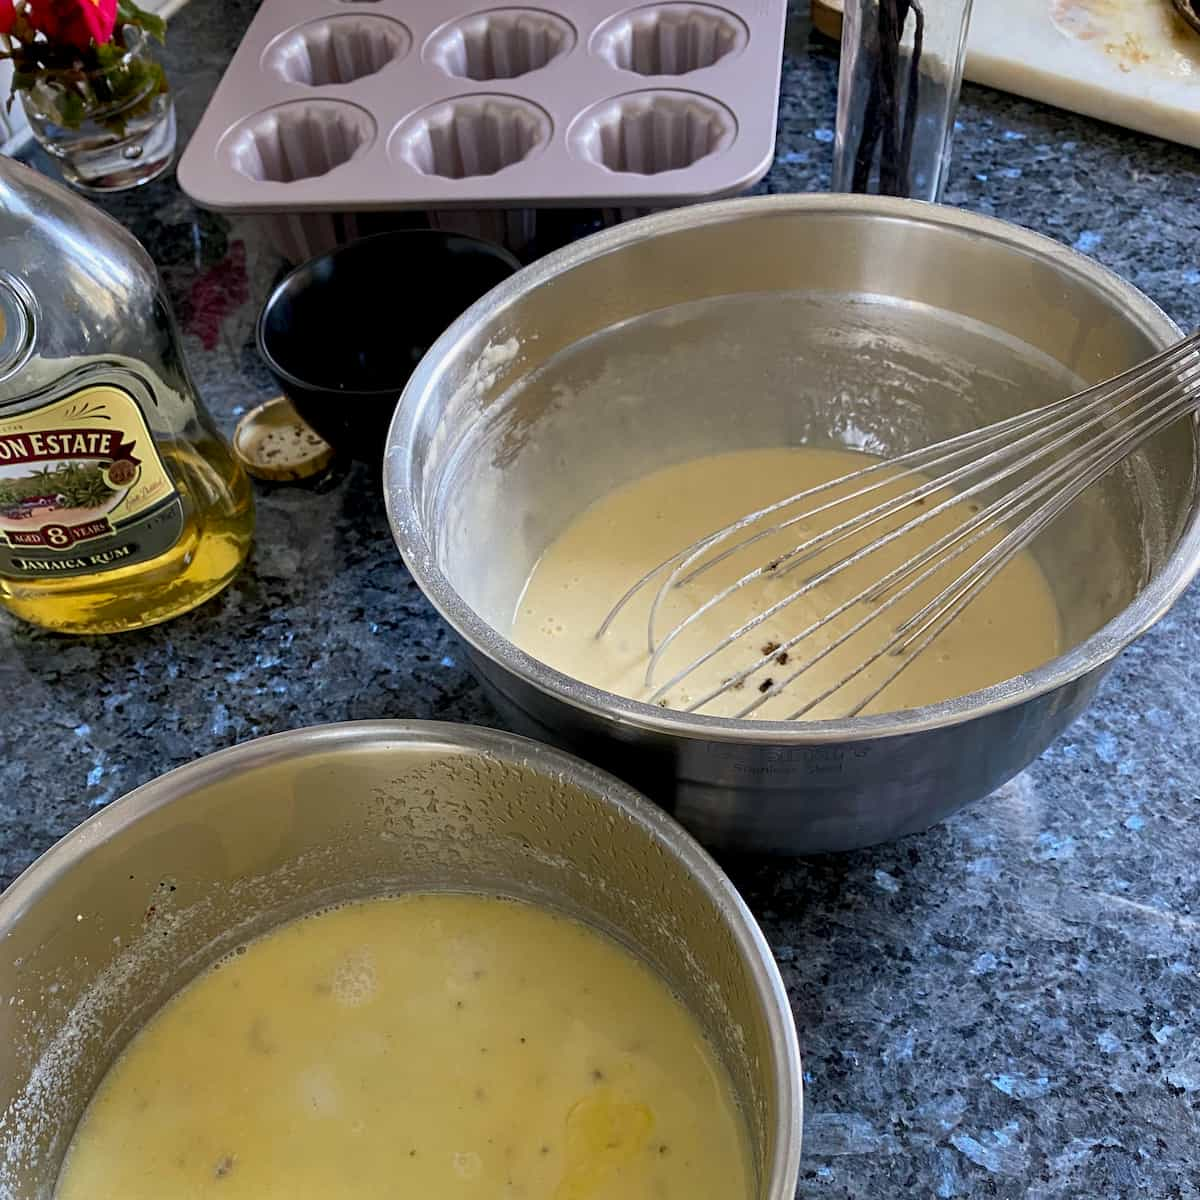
x=134 y=904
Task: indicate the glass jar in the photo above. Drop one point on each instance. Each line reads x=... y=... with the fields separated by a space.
x=102 y=144
x=901 y=70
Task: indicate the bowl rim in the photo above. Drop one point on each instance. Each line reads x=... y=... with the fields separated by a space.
x=295 y=278
x=1090 y=655
x=175 y=787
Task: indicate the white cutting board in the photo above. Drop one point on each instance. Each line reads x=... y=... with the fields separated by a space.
x=1132 y=62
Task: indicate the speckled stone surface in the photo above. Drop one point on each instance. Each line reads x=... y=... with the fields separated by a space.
x=1006 y=1006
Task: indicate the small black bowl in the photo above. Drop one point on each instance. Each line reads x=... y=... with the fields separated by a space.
x=343 y=332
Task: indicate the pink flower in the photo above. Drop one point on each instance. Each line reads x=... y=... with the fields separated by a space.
x=74 y=22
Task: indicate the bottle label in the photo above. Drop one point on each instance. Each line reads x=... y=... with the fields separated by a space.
x=82 y=488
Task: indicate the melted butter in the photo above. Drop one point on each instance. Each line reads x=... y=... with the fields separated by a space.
x=1010 y=628
x=433 y=1047
x=604 y=1134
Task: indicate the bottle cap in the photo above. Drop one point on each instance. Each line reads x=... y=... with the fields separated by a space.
x=274 y=442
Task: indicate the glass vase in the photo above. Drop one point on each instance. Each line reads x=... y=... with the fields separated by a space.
x=901 y=69
x=111 y=129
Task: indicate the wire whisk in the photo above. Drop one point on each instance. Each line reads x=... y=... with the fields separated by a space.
x=1008 y=480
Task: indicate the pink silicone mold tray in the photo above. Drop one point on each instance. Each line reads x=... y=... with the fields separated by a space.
x=353 y=105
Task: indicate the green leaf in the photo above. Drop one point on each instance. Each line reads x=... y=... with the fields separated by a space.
x=129 y=13
x=109 y=56
x=72 y=111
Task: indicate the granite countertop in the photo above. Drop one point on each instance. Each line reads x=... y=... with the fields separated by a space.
x=1007 y=1005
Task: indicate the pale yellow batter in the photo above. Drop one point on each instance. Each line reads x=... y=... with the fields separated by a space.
x=1011 y=627
x=425 y=1048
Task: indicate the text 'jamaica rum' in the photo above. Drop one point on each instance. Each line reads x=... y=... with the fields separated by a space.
x=120 y=504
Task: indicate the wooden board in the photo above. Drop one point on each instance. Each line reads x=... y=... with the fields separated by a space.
x=1132 y=62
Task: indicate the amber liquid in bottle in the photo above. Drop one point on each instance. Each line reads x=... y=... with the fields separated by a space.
x=216 y=537
x=120 y=504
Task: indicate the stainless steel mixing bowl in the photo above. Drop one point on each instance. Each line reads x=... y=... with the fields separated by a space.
x=110 y=922
x=832 y=320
